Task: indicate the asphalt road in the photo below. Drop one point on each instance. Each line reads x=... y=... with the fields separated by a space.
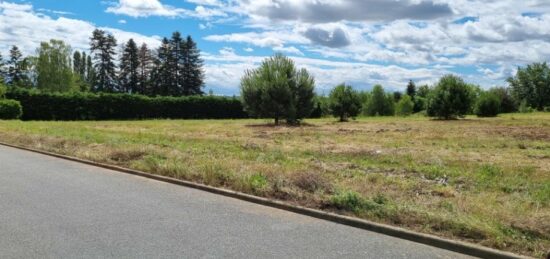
x=53 y=208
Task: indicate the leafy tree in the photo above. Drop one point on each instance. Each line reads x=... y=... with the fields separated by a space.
x=451 y=98
x=102 y=46
x=405 y=106
x=411 y=89
x=532 y=84
x=77 y=62
x=344 y=102
x=129 y=65
x=277 y=90
x=487 y=105
x=379 y=104
x=507 y=102
x=193 y=71
x=90 y=71
x=53 y=67
x=17 y=68
x=146 y=65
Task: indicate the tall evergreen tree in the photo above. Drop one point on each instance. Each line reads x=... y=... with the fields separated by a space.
x=411 y=89
x=17 y=68
x=193 y=71
x=129 y=64
x=162 y=73
x=177 y=64
x=102 y=46
x=145 y=69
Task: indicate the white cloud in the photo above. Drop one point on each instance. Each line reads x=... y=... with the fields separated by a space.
x=38 y=28
x=143 y=8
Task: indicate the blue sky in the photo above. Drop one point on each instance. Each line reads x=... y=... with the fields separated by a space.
x=360 y=42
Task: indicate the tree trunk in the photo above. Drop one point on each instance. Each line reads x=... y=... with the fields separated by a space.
x=276 y=121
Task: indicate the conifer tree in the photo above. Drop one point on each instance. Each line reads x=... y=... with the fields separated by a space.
x=102 y=46
x=17 y=68
x=177 y=68
x=129 y=64
x=411 y=89
x=145 y=69
x=162 y=72
x=193 y=71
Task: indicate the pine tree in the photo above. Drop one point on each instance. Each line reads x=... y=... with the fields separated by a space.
x=177 y=67
x=102 y=46
x=193 y=71
x=145 y=69
x=129 y=64
x=17 y=68
x=162 y=76
x=411 y=89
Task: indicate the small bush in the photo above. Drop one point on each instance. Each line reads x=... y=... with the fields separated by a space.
x=257 y=182
x=347 y=200
x=10 y=110
x=488 y=105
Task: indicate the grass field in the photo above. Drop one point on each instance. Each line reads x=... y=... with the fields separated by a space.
x=485 y=181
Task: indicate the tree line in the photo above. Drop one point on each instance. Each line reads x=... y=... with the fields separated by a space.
x=173 y=69
x=278 y=90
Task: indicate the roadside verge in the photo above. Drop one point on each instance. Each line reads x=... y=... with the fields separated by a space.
x=452 y=245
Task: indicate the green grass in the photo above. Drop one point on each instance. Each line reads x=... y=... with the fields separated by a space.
x=481 y=180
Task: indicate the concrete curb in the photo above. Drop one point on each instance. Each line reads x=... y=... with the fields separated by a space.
x=431 y=240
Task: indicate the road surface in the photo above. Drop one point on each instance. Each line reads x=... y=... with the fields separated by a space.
x=53 y=208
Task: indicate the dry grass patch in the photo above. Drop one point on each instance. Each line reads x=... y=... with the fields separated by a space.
x=481 y=180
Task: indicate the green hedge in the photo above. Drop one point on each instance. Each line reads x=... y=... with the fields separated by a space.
x=88 y=106
x=10 y=109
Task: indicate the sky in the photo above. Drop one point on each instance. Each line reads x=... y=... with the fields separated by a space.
x=357 y=42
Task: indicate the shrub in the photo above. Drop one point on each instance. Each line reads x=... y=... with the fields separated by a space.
x=277 y=90
x=344 y=102
x=405 y=106
x=451 y=98
x=10 y=110
x=488 y=105
x=88 y=106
